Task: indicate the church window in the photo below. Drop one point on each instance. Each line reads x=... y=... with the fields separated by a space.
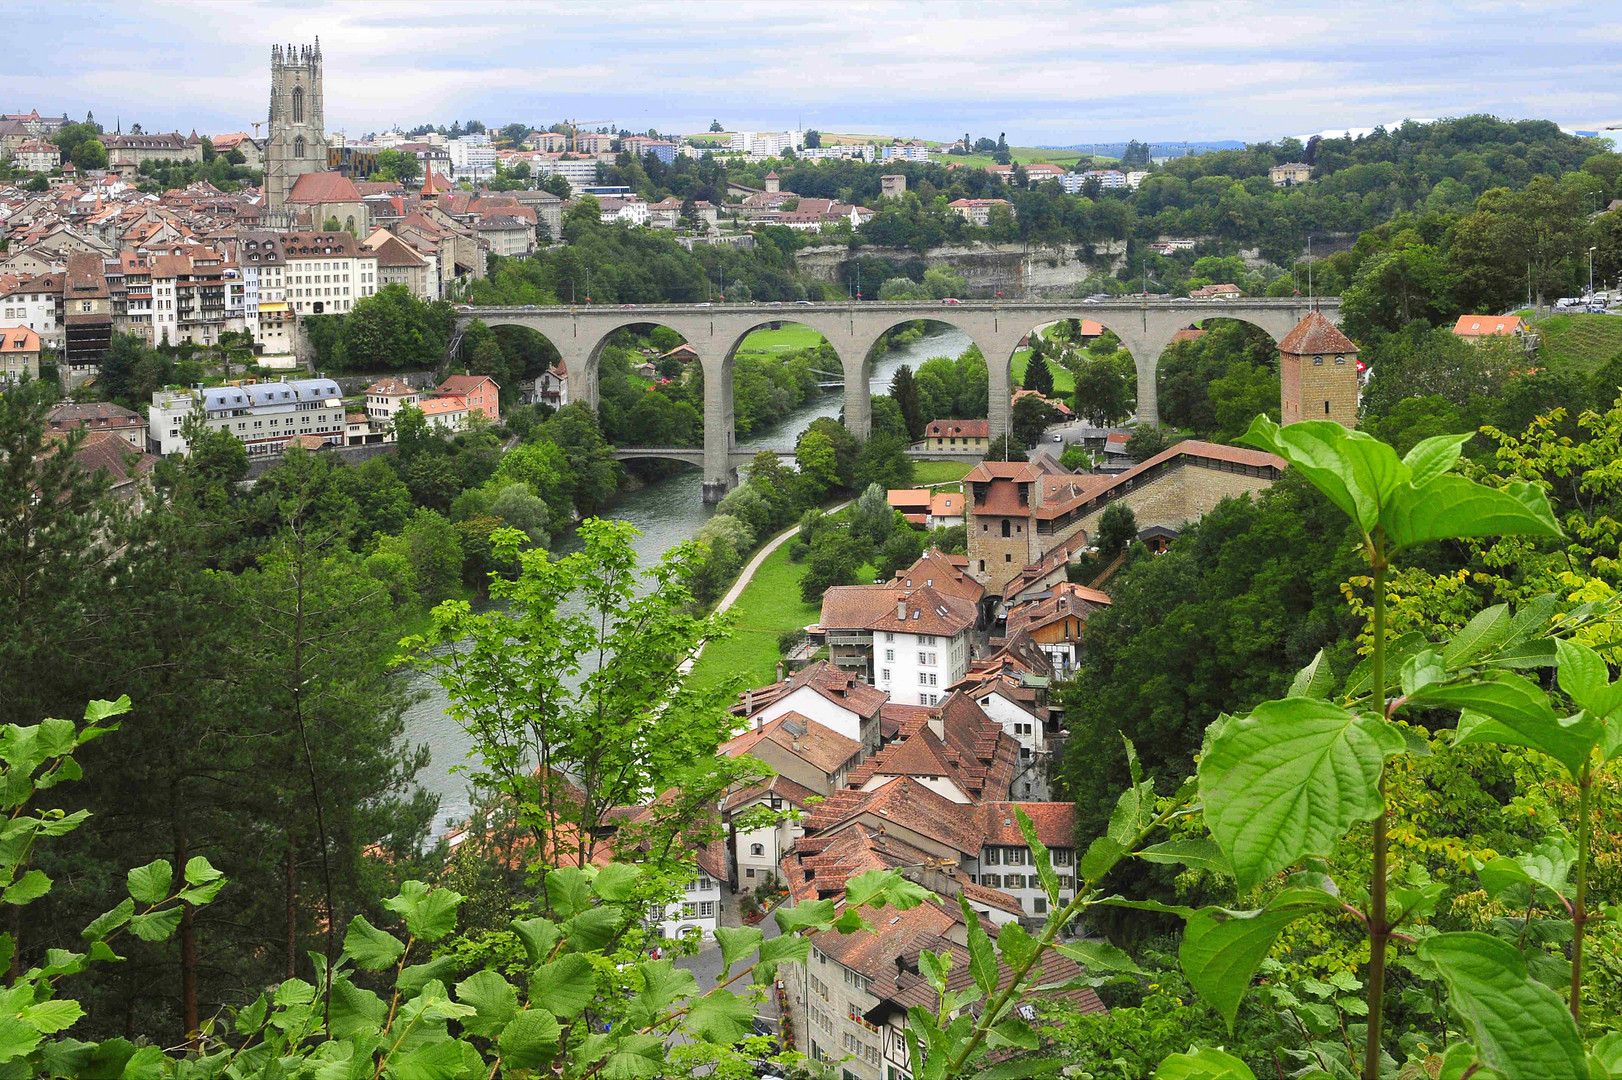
x=298 y=106
x=298 y=147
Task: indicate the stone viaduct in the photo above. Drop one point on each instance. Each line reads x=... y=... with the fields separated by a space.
x=1145 y=328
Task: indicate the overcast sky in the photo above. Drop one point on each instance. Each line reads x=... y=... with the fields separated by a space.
x=1046 y=73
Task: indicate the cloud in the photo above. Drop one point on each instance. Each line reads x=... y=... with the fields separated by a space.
x=1042 y=72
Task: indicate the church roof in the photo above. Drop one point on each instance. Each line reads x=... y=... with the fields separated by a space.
x=323 y=187
x=430 y=183
x=1315 y=334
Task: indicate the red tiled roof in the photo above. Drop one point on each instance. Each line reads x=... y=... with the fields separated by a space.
x=323 y=187
x=820 y=746
x=1055 y=823
x=1316 y=334
x=963 y=429
x=1480 y=326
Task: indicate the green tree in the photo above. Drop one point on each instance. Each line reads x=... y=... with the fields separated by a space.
x=1038 y=376
x=398 y=165
x=1117 y=529
x=883 y=460
x=835 y=555
x=1146 y=442
x=904 y=547
x=619 y=729
x=574 y=430
x=392 y=330
x=1031 y=417
x=817 y=462
x=90 y=154
x=1103 y=395
x=904 y=392
x=1243 y=392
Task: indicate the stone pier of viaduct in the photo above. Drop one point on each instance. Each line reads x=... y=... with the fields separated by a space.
x=1145 y=328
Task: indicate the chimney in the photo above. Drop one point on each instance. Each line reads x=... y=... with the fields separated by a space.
x=901 y=608
x=937 y=725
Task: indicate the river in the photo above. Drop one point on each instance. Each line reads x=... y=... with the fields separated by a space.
x=665 y=512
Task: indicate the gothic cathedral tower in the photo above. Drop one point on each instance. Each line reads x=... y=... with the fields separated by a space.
x=298 y=137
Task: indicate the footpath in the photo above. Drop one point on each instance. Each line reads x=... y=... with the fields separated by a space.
x=748 y=573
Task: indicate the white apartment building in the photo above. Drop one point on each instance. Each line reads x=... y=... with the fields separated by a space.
x=767 y=144
x=327 y=272
x=632 y=211
x=861 y=151
x=264 y=416
x=472 y=158
x=265 y=311
x=698 y=909
x=578 y=171
x=386 y=397
x=922 y=647
x=33 y=303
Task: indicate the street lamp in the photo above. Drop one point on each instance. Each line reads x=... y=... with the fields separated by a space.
x=1591 y=273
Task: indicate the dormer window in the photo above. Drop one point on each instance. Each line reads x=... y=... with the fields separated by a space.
x=1317 y=361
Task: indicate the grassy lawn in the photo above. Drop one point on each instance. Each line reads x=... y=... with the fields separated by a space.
x=1581 y=340
x=769 y=605
x=1064 y=383
x=938 y=472
x=791 y=338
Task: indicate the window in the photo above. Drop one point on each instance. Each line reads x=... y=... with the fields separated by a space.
x=889 y=654
x=982 y=566
x=1007 y=558
x=923 y=658
x=932 y=679
x=749 y=872
x=1039 y=906
x=1326 y=408
x=1014 y=856
x=298 y=106
x=934 y=699
x=1317 y=361
x=993 y=856
x=852 y=979
x=706 y=909
x=889 y=637
x=885 y=675
x=689 y=910
x=1007 y=526
x=298 y=147
x=1061 y=856
x=1013 y=881
x=991 y=880
x=923 y=699
x=757 y=849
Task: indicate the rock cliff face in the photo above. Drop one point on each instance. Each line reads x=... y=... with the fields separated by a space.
x=1013 y=269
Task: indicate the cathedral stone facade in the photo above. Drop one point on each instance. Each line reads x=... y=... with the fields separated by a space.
x=298 y=139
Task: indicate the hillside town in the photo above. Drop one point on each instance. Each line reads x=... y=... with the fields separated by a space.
x=806 y=603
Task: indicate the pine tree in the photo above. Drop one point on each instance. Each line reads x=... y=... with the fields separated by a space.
x=1038 y=376
x=904 y=391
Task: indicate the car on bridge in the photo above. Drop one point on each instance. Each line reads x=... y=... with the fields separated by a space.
x=951 y=300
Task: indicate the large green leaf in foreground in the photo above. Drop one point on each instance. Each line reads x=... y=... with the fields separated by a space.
x=1288 y=781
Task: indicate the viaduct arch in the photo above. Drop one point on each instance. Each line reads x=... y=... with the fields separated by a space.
x=1145 y=328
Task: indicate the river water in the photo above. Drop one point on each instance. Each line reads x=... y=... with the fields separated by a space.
x=666 y=512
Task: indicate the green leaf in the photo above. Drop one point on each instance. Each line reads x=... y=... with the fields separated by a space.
x=1100 y=956
x=250 y=1018
x=1013 y=1032
x=539 y=936
x=982 y=954
x=935 y=967
x=1484 y=631
x=97 y=711
x=1585 y=678
x=1206 y=1064
x=1289 y=780
x=737 y=943
x=1357 y=472
x=355 y=1011
x=793 y=947
x=28 y=888
x=1451 y=508
x=1040 y=855
x=530 y=1040
x=1522 y=1028
x=56 y=738
x=1100 y=858
x=720 y=1017
x=49 y=1017
x=371 y=948
x=429 y=914
x=568 y=890
x=1421 y=670
x=1023 y=1069
x=17 y=1037
x=150 y=884
x=493 y=997
x=200 y=872
x=1548 y=864
x=1202 y=854
x=1221 y=949
x=156 y=925
x=1314 y=681
x=616 y=882
x=432 y=1061
x=147 y=1063
x=1016 y=945
x=293 y=992
x=809 y=915
x=593 y=928
x=414 y=977
x=564 y=986
x=1434 y=456
x=1502 y=707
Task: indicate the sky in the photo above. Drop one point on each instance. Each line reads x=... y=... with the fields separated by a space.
x=1046 y=73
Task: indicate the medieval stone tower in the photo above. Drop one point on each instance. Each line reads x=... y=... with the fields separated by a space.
x=1317 y=368
x=298 y=137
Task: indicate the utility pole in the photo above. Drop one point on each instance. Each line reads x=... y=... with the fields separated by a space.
x=1312 y=301
x=1591 y=273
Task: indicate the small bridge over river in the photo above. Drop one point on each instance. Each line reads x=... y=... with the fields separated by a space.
x=1144 y=326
